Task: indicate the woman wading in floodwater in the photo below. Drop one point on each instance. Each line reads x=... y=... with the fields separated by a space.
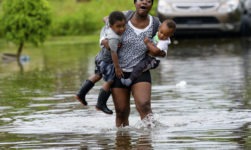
x=133 y=50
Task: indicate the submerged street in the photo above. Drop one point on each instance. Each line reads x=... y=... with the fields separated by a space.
x=201 y=99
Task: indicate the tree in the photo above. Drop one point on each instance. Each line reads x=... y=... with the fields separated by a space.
x=26 y=21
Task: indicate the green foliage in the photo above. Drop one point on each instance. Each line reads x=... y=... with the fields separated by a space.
x=74 y=24
x=26 y=20
x=80 y=18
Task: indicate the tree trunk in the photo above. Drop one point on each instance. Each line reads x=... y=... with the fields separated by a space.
x=19 y=51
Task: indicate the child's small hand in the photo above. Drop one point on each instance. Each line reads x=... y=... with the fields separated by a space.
x=162 y=53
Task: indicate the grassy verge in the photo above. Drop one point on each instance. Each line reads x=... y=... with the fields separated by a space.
x=80 y=18
x=71 y=17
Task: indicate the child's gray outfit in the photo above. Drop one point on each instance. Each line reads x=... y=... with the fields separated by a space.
x=103 y=67
x=104 y=58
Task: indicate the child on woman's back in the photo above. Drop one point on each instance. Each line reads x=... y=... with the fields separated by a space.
x=159 y=45
x=106 y=62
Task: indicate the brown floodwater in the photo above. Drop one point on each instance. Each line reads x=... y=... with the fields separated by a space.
x=201 y=99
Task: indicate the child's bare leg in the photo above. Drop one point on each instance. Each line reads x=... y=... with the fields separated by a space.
x=95 y=78
x=103 y=97
x=86 y=87
x=107 y=86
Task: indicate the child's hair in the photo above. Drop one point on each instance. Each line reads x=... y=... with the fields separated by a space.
x=116 y=16
x=170 y=24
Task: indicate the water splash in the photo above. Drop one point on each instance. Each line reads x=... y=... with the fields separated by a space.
x=181 y=84
x=149 y=122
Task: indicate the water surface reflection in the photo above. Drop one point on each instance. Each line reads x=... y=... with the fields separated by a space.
x=201 y=100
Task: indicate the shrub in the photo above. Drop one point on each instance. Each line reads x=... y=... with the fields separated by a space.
x=26 y=21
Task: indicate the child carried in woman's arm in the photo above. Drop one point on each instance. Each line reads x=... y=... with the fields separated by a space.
x=157 y=47
x=106 y=62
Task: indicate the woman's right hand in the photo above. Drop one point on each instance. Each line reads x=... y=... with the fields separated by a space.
x=119 y=72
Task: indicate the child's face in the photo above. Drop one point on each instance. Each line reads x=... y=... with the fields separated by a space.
x=164 y=32
x=119 y=27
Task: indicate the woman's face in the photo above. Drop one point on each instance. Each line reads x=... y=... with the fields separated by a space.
x=143 y=7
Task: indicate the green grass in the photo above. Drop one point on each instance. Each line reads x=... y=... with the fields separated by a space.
x=99 y=8
x=75 y=18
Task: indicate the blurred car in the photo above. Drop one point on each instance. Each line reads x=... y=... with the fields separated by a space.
x=202 y=15
x=246 y=18
x=247 y=6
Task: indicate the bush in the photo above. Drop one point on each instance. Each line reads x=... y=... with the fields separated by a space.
x=75 y=18
x=74 y=24
x=26 y=20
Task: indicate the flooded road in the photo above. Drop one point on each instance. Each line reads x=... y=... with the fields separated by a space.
x=201 y=99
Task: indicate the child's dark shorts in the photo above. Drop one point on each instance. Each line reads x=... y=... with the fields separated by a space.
x=107 y=70
x=97 y=70
x=145 y=77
